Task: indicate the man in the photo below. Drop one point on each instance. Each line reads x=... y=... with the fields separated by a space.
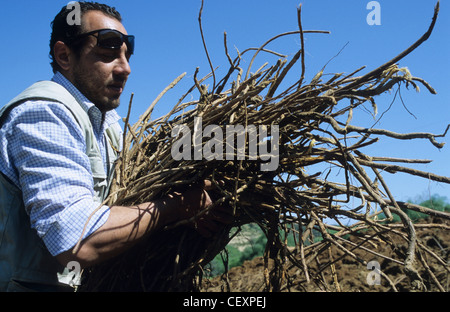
x=58 y=141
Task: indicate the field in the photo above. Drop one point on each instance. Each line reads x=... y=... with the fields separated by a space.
x=351 y=275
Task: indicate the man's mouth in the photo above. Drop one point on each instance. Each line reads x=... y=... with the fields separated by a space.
x=118 y=88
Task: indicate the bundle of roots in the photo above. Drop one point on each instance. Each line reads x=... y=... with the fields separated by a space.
x=312 y=125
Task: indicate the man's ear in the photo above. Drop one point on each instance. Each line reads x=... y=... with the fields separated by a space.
x=62 y=55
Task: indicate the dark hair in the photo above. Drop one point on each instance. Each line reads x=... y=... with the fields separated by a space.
x=63 y=31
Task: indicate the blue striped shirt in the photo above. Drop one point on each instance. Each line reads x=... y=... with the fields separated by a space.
x=42 y=151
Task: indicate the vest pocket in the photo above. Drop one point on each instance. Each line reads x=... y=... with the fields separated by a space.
x=99 y=178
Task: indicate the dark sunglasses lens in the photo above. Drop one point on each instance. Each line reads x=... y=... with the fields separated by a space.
x=130 y=44
x=111 y=39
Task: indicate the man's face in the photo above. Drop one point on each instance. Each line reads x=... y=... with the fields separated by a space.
x=101 y=73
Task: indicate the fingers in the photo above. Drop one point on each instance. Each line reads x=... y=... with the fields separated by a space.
x=214 y=220
x=222 y=214
x=210 y=186
x=209 y=218
x=207 y=228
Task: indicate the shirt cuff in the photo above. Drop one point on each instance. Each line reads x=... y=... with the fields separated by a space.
x=65 y=233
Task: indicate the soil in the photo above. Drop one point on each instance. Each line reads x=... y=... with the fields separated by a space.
x=351 y=275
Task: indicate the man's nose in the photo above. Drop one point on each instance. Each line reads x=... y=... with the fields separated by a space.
x=122 y=67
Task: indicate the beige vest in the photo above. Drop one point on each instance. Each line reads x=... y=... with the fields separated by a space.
x=24 y=260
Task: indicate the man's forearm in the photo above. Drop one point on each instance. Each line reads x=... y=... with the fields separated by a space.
x=124 y=227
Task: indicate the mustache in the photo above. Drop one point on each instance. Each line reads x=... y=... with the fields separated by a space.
x=120 y=83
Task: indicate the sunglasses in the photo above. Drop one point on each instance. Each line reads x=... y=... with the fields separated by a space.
x=109 y=39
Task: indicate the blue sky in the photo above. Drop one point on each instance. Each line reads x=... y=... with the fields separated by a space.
x=168 y=43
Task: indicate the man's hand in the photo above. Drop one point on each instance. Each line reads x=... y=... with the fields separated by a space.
x=197 y=207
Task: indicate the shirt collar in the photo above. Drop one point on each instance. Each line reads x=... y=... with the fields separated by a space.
x=94 y=113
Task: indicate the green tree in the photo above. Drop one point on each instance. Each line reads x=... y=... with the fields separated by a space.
x=233 y=257
x=435 y=202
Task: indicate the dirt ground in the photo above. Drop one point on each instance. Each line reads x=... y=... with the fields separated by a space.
x=351 y=275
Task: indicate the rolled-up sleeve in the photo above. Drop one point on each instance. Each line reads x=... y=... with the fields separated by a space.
x=46 y=159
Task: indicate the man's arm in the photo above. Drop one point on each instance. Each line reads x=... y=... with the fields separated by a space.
x=127 y=225
x=124 y=227
x=47 y=160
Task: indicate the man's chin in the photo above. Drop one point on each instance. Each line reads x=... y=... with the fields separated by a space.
x=112 y=105
x=108 y=104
